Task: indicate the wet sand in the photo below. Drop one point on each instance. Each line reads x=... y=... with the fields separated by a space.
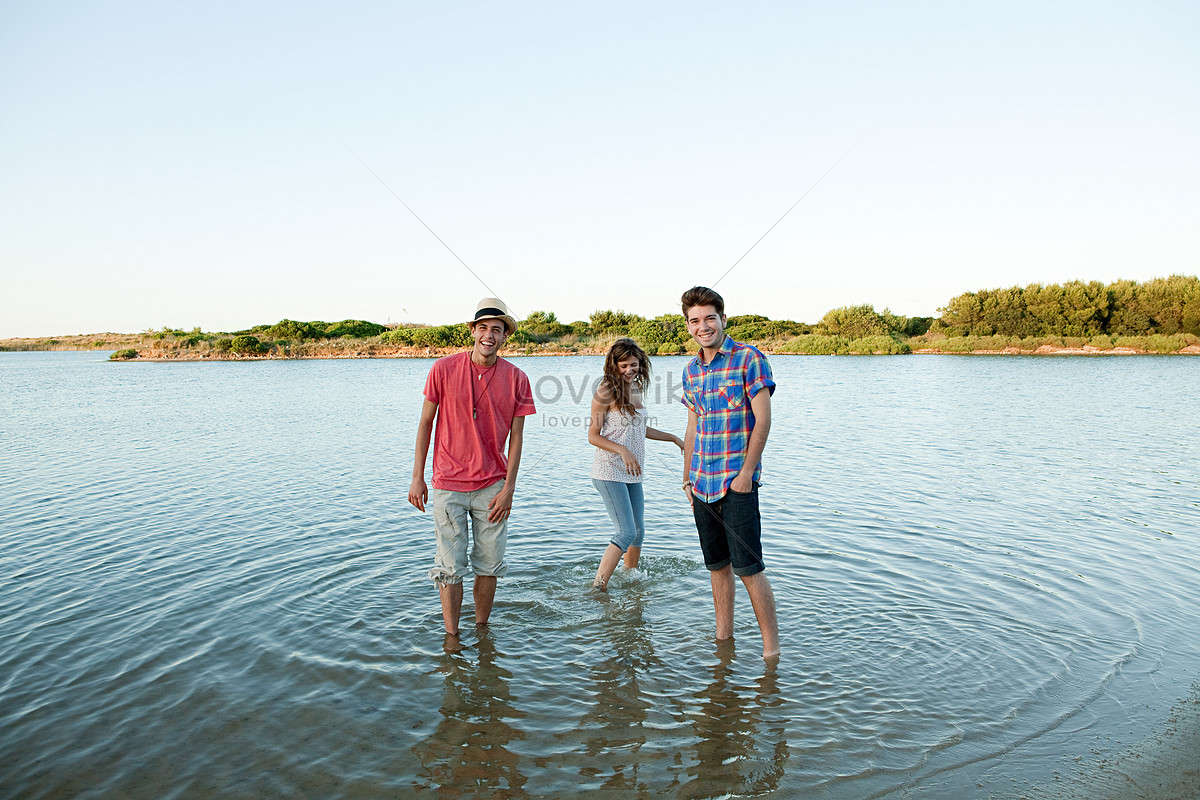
x=1164 y=766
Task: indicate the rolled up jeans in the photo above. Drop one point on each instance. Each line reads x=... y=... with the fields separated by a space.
x=625 y=503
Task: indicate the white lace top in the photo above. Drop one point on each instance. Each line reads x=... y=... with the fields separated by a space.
x=628 y=431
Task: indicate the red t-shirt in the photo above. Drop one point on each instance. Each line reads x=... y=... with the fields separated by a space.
x=476 y=408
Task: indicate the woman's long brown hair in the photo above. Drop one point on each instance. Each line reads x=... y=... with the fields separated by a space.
x=613 y=385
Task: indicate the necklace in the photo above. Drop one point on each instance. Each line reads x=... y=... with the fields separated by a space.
x=475 y=401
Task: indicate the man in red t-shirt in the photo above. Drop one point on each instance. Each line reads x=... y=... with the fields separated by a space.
x=479 y=400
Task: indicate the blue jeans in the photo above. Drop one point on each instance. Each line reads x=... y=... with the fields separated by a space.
x=626 y=505
x=731 y=532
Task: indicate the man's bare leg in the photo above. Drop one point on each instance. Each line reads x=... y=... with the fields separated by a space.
x=631 y=557
x=758 y=586
x=722 y=591
x=452 y=597
x=608 y=563
x=485 y=594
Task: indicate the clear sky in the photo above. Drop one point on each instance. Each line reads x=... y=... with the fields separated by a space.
x=183 y=165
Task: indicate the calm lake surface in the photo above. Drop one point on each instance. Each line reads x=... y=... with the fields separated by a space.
x=212 y=585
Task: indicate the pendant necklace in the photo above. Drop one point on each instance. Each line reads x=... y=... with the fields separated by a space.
x=475 y=401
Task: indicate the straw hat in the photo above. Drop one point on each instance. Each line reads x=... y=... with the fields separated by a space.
x=494 y=308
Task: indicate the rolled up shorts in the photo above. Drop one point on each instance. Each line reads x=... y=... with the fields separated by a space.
x=453 y=513
x=731 y=532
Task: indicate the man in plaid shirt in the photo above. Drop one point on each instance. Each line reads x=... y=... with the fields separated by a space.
x=729 y=417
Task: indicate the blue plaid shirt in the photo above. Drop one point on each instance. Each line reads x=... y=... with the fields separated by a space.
x=719 y=392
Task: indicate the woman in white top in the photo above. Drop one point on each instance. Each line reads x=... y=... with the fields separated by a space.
x=618 y=429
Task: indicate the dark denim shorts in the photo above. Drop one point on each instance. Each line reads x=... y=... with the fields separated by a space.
x=731 y=532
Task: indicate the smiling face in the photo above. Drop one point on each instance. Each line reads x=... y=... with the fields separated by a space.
x=706 y=326
x=488 y=334
x=629 y=368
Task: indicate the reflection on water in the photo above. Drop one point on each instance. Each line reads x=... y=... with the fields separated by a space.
x=211 y=585
x=613 y=728
x=468 y=751
x=741 y=746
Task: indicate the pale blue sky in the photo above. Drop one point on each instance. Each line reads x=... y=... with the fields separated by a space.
x=163 y=164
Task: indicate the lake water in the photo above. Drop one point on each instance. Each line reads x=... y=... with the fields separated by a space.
x=985 y=570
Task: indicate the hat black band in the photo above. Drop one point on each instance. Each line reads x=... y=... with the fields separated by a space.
x=489 y=312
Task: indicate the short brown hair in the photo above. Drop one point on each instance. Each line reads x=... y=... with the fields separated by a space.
x=702 y=296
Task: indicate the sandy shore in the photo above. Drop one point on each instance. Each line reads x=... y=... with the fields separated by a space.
x=1050 y=350
x=1164 y=766
x=378 y=351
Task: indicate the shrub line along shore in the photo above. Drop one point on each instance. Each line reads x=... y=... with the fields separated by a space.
x=369 y=350
x=1160 y=317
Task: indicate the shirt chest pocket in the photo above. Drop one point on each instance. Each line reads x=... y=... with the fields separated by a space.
x=730 y=396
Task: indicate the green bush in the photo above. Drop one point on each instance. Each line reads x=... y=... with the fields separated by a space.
x=879 y=346
x=442 y=336
x=1154 y=343
x=814 y=344
x=958 y=344
x=354 y=329
x=759 y=329
x=744 y=319
x=124 y=355
x=650 y=333
x=668 y=349
x=246 y=345
x=398 y=336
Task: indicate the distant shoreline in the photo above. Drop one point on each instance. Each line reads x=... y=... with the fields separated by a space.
x=369 y=350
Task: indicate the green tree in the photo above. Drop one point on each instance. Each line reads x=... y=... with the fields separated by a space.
x=613 y=321
x=1002 y=311
x=1173 y=304
x=1045 y=305
x=1128 y=315
x=542 y=326
x=962 y=314
x=1085 y=308
x=853 y=322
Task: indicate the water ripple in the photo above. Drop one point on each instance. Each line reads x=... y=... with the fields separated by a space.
x=208 y=590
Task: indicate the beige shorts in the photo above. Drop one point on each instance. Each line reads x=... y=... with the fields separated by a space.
x=451 y=513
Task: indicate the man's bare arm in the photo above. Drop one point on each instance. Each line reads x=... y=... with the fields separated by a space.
x=418 y=492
